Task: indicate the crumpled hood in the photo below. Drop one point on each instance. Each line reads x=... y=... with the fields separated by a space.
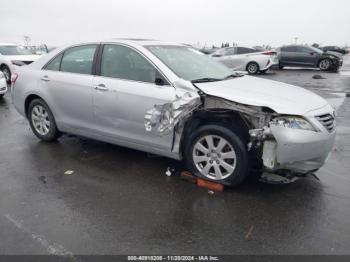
x=21 y=57
x=280 y=97
x=340 y=56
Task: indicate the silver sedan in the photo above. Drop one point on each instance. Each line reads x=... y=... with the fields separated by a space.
x=171 y=100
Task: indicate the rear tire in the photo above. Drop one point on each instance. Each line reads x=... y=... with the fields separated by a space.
x=42 y=121
x=252 y=68
x=224 y=159
x=7 y=73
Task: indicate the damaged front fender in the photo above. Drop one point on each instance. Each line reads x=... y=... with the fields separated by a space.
x=162 y=119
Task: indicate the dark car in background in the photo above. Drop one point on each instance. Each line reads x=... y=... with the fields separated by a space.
x=335 y=49
x=308 y=56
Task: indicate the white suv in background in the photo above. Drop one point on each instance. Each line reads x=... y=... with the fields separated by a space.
x=14 y=55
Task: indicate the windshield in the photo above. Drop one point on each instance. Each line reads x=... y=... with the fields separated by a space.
x=14 y=50
x=190 y=64
x=316 y=50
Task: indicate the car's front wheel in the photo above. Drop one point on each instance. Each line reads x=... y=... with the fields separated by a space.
x=42 y=121
x=218 y=154
x=252 y=68
x=325 y=64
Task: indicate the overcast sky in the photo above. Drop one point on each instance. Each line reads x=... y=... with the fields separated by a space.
x=252 y=22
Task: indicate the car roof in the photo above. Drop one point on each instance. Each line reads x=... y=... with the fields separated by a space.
x=142 y=42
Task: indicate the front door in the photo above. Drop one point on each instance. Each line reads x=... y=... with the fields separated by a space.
x=124 y=92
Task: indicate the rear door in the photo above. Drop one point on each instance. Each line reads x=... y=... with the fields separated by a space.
x=67 y=81
x=288 y=55
x=124 y=91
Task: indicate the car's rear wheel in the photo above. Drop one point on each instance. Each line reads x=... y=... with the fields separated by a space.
x=42 y=121
x=325 y=64
x=252 y=68
x=218 y=154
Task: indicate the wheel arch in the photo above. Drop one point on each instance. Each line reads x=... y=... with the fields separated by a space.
x=28 y=100
x=224 y=117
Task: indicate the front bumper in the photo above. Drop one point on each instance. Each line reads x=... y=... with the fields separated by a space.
x=299 y=151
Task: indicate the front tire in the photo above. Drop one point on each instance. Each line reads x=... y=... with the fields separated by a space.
x=218 y=154
x=252 y=68
x=325 y=64
x=42 y=121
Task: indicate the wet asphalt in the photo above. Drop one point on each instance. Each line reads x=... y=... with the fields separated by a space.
x=119 y=201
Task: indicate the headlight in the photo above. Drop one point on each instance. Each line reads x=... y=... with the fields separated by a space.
x=293 y=122
x=17 y=62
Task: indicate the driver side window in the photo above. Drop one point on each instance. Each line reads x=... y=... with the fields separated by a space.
x=124 y=63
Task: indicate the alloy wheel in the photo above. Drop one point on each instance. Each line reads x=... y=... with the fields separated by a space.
x=214 y=157
x=252 y=68
x=324 y=64
x=40 y=120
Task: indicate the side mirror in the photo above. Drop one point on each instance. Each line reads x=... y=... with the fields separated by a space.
x=159 y=81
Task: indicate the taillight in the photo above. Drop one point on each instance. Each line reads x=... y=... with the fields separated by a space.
x=14 y=78
x=269 y=53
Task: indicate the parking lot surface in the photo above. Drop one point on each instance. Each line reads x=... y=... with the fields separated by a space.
x=119 y=201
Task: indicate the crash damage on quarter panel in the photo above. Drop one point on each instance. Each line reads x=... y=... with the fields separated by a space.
x=286 y=146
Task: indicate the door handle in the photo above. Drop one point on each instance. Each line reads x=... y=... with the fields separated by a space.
x=101 y=87
x=45 y=79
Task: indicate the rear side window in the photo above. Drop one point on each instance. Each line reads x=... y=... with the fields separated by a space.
x=244 y=50
x=124 y=63
x=54 y=65
x=289 y=49
x=302 y=49
x=78 y=59
x=230 y=51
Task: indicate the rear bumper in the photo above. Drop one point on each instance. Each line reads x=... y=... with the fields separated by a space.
x=273 y=61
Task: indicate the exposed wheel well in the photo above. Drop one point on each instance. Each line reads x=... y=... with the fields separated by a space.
x=223 y=117
x=28 y=100
x=3 y=65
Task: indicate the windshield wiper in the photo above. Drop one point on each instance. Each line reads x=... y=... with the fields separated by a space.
x=233 y=75
x=205 y=79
